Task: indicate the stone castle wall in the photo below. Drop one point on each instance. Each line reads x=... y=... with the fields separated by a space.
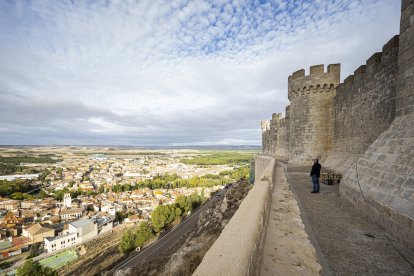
x=306 y=131
x=370 y=134
x=266 y=139
x=311 y=112
x=405 y=85
x=284 y=129
x=364 y=106
x=381 y=184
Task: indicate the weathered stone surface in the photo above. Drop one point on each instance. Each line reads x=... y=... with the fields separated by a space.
x=405 y=85
x=364 y=127
x=381 y=183
x=306 y=131
x=364 y=106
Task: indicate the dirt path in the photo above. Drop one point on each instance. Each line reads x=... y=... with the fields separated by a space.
x=351 y=244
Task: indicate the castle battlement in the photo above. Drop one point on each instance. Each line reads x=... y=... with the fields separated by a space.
x=265 y=125
x=317 y=81
x=376 y=65
x=276 y=117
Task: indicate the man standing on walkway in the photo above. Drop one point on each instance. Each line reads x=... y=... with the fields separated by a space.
x=315 y=174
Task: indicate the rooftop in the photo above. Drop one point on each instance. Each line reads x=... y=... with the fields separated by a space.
x=82 y=222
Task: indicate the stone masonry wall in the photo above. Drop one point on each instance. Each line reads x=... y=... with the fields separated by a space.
x=364 y=128
x=270 y=134
x=364 y=106
x=282 y=151
x=275 y=135
x=381 y=184
x=311 y=112
x=405 y=85
x=266 y=139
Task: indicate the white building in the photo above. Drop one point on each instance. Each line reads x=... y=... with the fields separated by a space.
x=68 y=214
x=85 y=229
x=57 y=243
x=79 y=231
x=109 y=208
x=67 y=200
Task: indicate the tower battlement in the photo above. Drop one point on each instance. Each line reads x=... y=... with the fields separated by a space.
x=276 y=117
x=316 y=82
x=265 y=125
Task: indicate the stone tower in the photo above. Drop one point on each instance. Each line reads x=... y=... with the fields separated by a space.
x=311 y=112
x=265 y=126
x=67 y=200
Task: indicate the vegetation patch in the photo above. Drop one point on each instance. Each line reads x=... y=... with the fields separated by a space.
x=184 y=258
x=35 y=268
x=15 y=187
x=11 y=165
x=220 y=158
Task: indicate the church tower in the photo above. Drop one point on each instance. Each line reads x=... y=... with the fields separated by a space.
x=67 y=200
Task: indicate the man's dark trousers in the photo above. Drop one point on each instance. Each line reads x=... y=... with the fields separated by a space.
x=315 y=182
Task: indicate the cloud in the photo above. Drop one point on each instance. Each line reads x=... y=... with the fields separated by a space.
x=164 y=73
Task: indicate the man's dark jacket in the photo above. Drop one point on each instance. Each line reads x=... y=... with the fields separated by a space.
x=316 y=170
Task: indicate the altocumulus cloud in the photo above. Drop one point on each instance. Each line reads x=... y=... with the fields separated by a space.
x=169 y=72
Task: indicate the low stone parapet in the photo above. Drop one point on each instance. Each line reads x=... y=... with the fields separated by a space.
x=237 y=250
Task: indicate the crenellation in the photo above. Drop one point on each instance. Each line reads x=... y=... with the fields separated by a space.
x=265 y=125
x=392 y=44
x=365 y=122
x=360 y=71
x=312 y=94
x=374 y=59
x=298 y=74
x=300 y=84
x=287 y=112
x=317 y=69
x=349 y=80
x=335 y=69
x=276 y=117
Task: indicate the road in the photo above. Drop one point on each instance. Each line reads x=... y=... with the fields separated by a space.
x=169 y=239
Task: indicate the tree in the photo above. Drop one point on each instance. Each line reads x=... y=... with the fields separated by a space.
x=127 y=243
x=17 y=196
x=181 y=202
x=187 y=204
x=101 y=189
x=194 y=200
x=35 y=250
x=59 y=194
x=143 y=234
x=43 y=175
x=136 y=237
x=119 y=216
x=59 y=172
x=34 y=268
x=42 y=193
x=159 y=218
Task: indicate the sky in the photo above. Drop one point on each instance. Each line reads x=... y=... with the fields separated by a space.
x=169 y=73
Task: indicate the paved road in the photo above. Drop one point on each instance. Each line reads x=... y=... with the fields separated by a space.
x=169 y=239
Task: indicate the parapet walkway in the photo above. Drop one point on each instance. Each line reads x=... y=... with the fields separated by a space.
x=346 y=242
x=287 y=249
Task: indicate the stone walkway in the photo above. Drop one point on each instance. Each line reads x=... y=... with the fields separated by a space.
x=287 y=249
x=346 y=242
